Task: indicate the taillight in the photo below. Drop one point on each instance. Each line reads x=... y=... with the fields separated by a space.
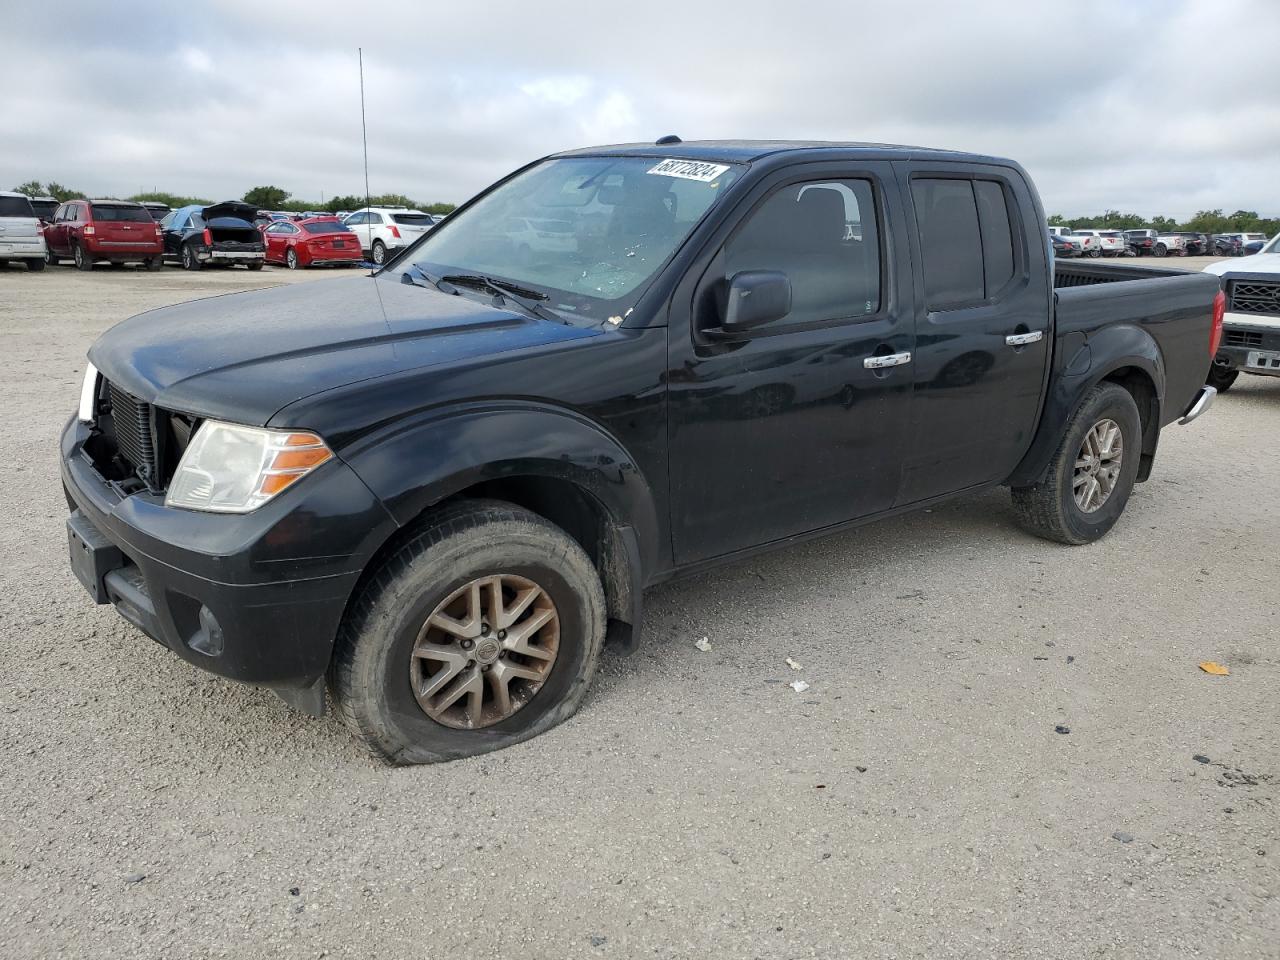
x=395 y=231
x=40 y=227
x=1215 y=334
x=88 y=230
x=159 y=231
x=208 y=237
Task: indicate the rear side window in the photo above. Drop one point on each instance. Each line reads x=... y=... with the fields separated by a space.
x=423 y=218
x=966 y=240
x=16 y=207
x=112 y=213
x=823 y=236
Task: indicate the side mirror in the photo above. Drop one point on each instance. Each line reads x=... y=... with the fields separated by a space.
x=756 y=297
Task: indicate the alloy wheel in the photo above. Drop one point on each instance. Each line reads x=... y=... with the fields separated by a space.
x=484 y=651
x=1098 y=465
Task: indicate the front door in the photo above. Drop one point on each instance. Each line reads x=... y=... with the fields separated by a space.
x=982 y=325
x=798 y=424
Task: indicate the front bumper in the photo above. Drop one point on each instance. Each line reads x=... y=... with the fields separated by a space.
x=1250 y=344
x=256 y=597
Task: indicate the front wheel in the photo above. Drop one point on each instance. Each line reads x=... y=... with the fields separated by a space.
x=1092 y=473
x=1221 y=378
x=481 y=631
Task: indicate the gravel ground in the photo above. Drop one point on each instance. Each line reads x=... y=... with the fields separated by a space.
x=916 y=801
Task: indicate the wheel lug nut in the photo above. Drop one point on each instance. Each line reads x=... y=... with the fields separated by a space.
x=484 y=628
x=502 y=634
x=468 y=644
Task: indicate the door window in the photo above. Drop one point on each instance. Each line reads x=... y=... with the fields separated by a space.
x=966 y=240
x=823 y=235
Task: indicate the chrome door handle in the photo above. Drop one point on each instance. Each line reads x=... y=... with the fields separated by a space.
x=1022 y=339
x=887 y=360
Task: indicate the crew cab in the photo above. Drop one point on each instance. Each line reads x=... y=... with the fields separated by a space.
x=1251 y=326
x=219 y=234
x=91 y=231
x=1142 y=242
x=435 y=490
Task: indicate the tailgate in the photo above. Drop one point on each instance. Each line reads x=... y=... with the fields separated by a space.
x=18 y=228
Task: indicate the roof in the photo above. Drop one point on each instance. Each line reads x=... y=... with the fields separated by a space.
x=746 y=151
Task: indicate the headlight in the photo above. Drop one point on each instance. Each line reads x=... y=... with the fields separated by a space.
x=89 y=394
x=232 y=469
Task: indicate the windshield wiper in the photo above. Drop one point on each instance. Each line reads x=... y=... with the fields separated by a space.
x=413 y=270
x=522 y=297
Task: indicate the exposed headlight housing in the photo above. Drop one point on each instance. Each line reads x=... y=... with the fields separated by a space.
x=89 y=395
x=233 y=469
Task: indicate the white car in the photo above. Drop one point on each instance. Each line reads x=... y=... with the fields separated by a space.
x=1059 y=231
x=1170 y=244
x=1110 y=243
x=528 y=234
x=21 y=232
x=385 y=230
x=1251 y=325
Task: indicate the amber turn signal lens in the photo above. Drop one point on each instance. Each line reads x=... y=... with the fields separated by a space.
x=300 y=459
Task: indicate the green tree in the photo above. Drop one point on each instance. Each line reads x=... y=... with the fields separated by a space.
x=31 y=188
x=443 y=208
x=172 y=199
x=61 y=193
x=267 y=198
x=1164 y=224
x=1057 y=220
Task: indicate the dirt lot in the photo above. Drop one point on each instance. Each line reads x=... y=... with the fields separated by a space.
x=915 y=802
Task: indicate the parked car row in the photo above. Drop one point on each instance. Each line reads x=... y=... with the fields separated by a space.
x=1102 y=242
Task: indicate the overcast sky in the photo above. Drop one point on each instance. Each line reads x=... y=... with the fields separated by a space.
x=1151 y=107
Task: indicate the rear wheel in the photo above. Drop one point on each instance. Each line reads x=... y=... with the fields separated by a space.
x=254 y=264
x=35 y=265
x=379 y=252
x=1221 y=378
x=50 y=258
x=189 y=259
x=155 y=263
x=291 y=259
x=1095 y=253
x=480 y=632
x=1092 y=473
x=1161 y=250
x=82 y=258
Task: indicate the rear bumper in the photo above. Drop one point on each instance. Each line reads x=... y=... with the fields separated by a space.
x=21 y=249
x=1203 y=401
x=234 y=256
x=223 y=591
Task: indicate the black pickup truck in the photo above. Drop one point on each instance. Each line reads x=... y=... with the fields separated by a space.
x=437 y=489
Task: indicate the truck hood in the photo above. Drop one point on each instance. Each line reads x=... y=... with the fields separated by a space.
x=242 y=357
x=1259 y=263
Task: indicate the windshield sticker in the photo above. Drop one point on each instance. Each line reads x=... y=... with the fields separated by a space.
x=689 y=170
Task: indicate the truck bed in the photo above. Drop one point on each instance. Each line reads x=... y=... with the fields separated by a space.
x=1164 y=314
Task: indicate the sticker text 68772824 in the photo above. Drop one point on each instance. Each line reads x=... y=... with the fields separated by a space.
x=689 y=170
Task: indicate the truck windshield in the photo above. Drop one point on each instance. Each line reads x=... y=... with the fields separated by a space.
x=589 y=232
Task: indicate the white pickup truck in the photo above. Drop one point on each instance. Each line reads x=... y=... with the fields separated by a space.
x=1109 y=243
x=1251 y=325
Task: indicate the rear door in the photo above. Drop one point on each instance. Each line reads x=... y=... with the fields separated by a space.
x=982 y=324
x=786 y=429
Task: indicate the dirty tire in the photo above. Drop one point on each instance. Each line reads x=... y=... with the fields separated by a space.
x=369 y=674
x=1049 y=509
x=1220 y=379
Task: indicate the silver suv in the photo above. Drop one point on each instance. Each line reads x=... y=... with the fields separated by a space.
x=21 y=232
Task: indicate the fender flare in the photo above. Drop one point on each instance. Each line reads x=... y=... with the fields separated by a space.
x=1114 y=348
x=416 y=463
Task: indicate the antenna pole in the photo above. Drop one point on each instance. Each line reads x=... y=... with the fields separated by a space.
x=364 y=130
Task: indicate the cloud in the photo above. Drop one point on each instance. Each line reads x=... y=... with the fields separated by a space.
x=1120 y=105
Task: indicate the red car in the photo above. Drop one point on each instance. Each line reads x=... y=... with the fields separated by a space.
x=310 y=242
x=118 y=231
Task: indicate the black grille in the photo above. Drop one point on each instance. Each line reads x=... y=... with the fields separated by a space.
x=1255 y=296
x=1243 y=338
x=132 y=420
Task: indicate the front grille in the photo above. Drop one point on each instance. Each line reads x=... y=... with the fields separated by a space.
x=1255 y=296
x=1243 y=338
x=134 y=440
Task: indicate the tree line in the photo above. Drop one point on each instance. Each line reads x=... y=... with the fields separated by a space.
x=1205 y=221
x=263 y=197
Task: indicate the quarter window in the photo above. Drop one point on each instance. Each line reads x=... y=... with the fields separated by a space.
x=823 y=235
x=966 y=240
